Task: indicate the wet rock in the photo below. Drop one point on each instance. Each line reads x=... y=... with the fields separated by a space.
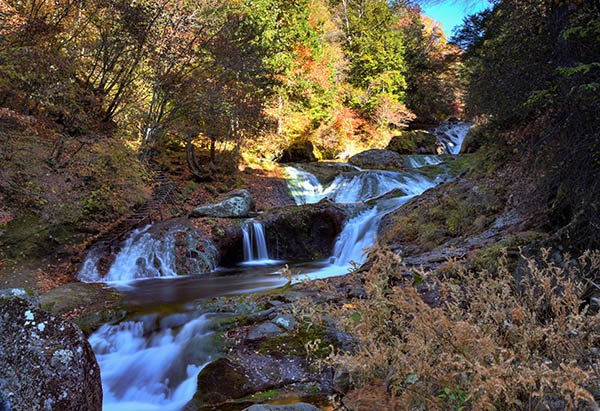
x=414 y=142
x=264 y=330
x=301 y=406
x=306 y=232
x=274 y=303
x=301 y=151
x=377 y=159
x=46 y=363
x=397 y=192
x=236 y=204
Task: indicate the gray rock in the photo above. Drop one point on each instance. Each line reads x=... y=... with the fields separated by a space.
x=286 y=321
x=264 y=330
x=301 y=406
x=236 y=204
x=377 y=159
x=45 y=363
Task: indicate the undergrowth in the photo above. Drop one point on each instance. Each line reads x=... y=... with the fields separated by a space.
x=493 y=341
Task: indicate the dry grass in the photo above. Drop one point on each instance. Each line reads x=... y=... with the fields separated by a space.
x=497 y=341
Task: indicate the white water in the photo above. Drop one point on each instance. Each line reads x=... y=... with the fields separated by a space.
x=146 y=368
x=452 y=135
x=305 y=187
x=254 y=243
x=345 y=188
x=420 y=160
x=141 y=256
x=360 y=232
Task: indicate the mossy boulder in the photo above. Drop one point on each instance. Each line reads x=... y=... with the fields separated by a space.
x=377 y=159
x=414 y=142
x=87 y=305
x=300 y=151
x=220 y=381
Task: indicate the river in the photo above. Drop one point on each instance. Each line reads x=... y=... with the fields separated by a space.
x=151 y=362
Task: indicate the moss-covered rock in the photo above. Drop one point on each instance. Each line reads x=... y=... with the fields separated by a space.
x=220 y=381
x=456 y=209
x=87 y=305
x=414 y=142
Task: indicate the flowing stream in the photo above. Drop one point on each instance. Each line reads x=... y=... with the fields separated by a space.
x=151 y=362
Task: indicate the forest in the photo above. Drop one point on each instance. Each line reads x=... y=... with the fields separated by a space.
x=299 y=205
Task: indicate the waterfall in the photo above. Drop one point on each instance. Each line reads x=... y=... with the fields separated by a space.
x=305 y=187
x=255 y=245
x=420 y=160
x=143 y=255
x=452 y=135
x=345 y=188
x=144 y=368
x=360 y=232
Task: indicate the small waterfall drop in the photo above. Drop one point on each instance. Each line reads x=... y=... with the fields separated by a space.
x=144 y=368
x=255 y=244
x=452 y=135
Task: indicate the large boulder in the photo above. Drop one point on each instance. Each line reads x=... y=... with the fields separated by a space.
x=414 y=142
x=46 y=363
x=225 y=380
x=235 y=204
x=377 y=159
x=306 y=232
x=301 y=151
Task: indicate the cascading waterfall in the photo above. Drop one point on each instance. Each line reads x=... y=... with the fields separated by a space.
x=145 y=367
x=141 y=256
x=361 y=231
x=255 y=244
x=305 y=187
x=421 y=160
x=345 y=188
x=452 y=135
